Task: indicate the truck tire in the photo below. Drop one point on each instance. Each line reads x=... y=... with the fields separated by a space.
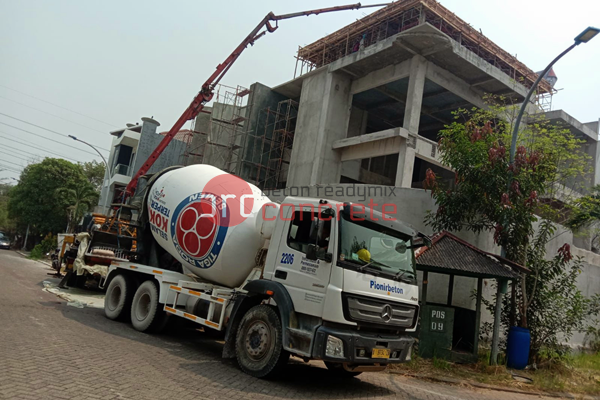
x=119 y=294
x=259 y=344
x=337 y=369
x=147 y=314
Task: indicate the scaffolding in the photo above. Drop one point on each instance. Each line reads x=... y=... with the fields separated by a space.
x=268 y=149
x=403 y=15
x=219 y=136
x=544 y=101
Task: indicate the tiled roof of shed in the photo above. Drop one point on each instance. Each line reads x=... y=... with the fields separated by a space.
x=461 y=258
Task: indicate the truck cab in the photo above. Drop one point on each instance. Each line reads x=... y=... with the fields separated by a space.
x=350 y=275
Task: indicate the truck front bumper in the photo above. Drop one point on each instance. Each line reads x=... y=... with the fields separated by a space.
x=358 y=346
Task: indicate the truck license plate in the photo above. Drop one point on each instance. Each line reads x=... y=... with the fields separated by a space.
x=381 y=353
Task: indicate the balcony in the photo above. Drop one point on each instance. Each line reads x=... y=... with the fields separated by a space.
x=121 y=169
x=121 y=174
x=127 y=137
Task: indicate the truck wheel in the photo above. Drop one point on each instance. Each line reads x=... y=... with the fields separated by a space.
x=259 y=343
x=338 y=370
x=117 y=302
x=146 y=313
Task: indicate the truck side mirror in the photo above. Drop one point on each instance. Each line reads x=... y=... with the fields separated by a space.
x=313 y=255
x=311 y=252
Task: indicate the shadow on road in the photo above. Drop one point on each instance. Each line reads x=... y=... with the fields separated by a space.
x=199 y=351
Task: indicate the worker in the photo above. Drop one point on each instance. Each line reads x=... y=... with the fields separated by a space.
x=359 y=45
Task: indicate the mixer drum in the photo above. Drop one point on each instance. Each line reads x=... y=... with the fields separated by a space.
x=209 y=220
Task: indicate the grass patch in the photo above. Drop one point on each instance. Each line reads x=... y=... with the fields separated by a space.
x=579 y=374
x=586 y=361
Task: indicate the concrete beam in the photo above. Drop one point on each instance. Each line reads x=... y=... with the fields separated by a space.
x=488 y=68
x=386 y=44
x=455 y=85
x=401 y=98
x=380 y=77
x=371 y=137
x=573 y=124
x=377 y=148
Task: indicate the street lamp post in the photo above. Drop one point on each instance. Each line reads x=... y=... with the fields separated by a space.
x=105 y=165
x=95 y=149
x=584 y=37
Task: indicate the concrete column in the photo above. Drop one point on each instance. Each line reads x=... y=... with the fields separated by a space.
x=414 y=97
x=323 y=117
x=406 y=165
x=412 y=117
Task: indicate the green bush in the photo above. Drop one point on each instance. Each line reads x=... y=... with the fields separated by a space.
x=48 y=244
x=36 y=253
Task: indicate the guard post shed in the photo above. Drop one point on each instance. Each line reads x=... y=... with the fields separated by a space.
x=448 y=331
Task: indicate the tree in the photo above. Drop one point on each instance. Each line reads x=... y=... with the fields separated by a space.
x=94 y=172
x=35 y=201
x=585 y=216
x=7 y=224
x=492 y=194
x=79 y=198
x=557 y=308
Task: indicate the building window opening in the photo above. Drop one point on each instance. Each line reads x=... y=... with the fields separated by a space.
x=446 y=178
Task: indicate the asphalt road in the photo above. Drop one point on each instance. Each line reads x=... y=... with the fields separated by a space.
x=49 y=350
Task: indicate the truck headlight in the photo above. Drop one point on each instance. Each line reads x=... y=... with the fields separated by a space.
x=335 y=347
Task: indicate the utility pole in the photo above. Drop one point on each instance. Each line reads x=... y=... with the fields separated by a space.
x=26 y=236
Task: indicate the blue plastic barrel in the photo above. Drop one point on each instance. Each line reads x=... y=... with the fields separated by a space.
x=517 y=347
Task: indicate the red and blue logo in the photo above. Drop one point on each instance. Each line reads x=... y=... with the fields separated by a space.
x=198 y=228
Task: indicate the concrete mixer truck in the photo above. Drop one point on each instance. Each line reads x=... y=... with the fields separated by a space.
x=313 y=278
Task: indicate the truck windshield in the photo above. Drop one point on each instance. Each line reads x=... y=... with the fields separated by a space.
x=365 y=245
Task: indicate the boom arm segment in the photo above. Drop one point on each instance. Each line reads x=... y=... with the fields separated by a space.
x=207 y=91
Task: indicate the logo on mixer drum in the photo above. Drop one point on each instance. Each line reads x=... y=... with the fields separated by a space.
x=198 y=228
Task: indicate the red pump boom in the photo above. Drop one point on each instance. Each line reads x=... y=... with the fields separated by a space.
x=207 y=91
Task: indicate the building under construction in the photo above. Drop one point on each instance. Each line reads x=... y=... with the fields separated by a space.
x=366 y=103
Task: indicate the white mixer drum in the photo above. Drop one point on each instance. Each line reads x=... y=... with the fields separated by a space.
x=209 y=220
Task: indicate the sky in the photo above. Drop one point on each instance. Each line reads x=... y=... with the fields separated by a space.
x=85 y=68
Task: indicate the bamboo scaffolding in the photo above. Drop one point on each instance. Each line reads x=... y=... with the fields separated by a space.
x=403 y=15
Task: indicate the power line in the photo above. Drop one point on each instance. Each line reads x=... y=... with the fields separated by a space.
x=53 y=115
x=46 y=129
x=35 y=147
x=44 y=137
x=26 y=152
x=9 y=168
x=13 y=164
x=12 y=155
x=56 y=105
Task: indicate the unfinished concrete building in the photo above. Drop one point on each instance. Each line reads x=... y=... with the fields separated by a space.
x=366 y=105
x=367 y=102
x=372 y=115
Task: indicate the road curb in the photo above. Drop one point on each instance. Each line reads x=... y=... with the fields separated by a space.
x=27 y=256
x=492 y=387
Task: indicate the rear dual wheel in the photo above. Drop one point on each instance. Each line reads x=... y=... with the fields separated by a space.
x=117 y=301
x=147 y=314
